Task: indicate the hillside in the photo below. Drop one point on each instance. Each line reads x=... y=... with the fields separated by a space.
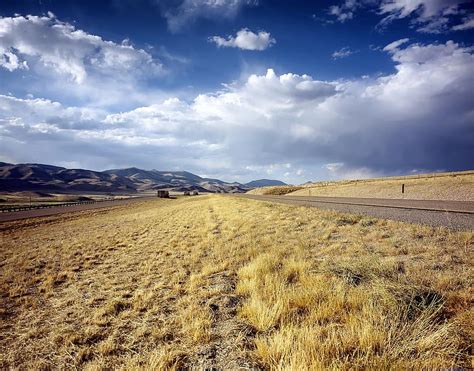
x=39 y=177
x=275 y=190
x=455 y=186
x=174 y=180
x=458 y=186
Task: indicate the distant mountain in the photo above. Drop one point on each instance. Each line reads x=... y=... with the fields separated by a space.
x=38 y=177
x=175 y=180
x=264 y=183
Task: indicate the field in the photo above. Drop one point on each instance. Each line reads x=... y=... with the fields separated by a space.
x=444 y=186
x=217 y=281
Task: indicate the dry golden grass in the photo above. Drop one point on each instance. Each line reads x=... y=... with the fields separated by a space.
x=446 y=186
x=275 y=190
x=457 y=186
x=226 y=282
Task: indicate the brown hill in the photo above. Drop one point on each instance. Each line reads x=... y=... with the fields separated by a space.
x=39 y=177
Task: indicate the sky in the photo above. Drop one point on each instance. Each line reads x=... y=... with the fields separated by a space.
x=239 y=89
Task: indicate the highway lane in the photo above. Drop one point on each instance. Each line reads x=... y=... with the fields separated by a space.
x=455 y=215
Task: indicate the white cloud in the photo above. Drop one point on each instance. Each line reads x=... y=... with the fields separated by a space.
x=46 y=112
x=246 y=40
x=395 y=45
x=345 y=11
x=61 y=48
x=190 y=10
x=468 y=23
x=10 y=62
x=434 y=26
x=432 y=16
x=428 y=16
x=425 y=9
x=342 y=53
x=419 y=117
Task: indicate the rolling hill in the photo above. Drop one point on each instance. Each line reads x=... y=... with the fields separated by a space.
x=264 y=183
x=174 y=180
x=39 y=177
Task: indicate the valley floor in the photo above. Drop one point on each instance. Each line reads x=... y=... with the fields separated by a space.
x=218 y=281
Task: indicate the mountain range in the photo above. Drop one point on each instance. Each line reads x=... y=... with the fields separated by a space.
x=39 y=177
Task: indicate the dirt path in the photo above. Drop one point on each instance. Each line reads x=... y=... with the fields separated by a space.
x=230 y=337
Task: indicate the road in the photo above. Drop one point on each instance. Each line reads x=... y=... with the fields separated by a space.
x=456 y=215
x=17 y=215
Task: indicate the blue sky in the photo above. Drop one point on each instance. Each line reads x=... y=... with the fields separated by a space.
x=239 y=89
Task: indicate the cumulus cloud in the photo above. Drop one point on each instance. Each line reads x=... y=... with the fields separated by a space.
x=342 y=53
x=60 y=47
x=246 y=40
x=419 y=117
x=10 y=61
x=187 y=11
x=31 y=112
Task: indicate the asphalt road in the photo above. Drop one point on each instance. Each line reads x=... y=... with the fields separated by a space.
x=36 y=213
x=456 y=215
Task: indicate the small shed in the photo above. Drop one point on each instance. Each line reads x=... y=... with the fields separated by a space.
x=162 y=194
x=195 y=193
x=187 y=193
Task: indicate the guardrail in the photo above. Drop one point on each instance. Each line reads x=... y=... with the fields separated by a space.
x=9 y=209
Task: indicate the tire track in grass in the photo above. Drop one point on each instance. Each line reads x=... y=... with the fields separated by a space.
x=230 y=337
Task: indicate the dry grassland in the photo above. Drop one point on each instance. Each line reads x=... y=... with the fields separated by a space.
x=216 y=281
x=446 y=186
x=275 y=190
